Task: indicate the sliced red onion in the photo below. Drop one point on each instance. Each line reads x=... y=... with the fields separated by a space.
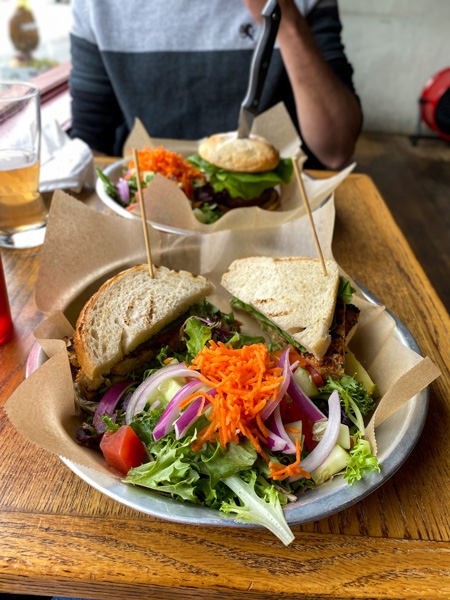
x=307 y=406
x=123 y=190
x=279 y=429
x=275 y=442
x=142 y=394
x=166 y=423
x=109 y=402
x=191 y=414
x=328 y=441
x=272 y=404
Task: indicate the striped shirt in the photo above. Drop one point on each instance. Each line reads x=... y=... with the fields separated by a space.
x=181 y=67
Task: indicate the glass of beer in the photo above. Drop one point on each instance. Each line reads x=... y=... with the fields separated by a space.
x=23 y=213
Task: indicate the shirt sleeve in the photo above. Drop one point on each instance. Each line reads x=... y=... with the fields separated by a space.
x=96 y=114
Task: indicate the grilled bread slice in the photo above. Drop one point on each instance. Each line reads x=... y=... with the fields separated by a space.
x=292 y=292
x=127 y=311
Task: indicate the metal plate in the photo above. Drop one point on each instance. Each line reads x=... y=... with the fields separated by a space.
x=114 y=172
x=396 y=438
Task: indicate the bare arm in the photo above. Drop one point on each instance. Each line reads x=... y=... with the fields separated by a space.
x=328 y=112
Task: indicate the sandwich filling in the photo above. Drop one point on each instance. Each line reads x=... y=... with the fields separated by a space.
x=297 y=305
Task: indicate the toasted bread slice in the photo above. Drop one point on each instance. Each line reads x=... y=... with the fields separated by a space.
x=292 y=292
x=128 y=310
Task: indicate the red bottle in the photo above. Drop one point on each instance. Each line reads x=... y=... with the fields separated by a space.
x=5 y=313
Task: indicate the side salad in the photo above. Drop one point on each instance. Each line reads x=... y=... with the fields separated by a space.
x=211 y=191
x=232 y=423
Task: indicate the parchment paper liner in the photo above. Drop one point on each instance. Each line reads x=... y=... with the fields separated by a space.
x=166 y=204
x=83 y=248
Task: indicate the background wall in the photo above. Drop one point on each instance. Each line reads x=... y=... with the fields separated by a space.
x=395 y=46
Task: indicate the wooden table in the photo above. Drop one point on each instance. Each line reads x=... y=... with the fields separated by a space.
x=58 y=536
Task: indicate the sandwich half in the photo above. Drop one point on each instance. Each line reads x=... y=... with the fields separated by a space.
x=124 y=322
x=298 y=305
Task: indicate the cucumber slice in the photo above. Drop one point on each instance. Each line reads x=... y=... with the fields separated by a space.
x=343 y=440
x=167 y=390
x=344 y=437
x=355 y=369
x=292 y=436
x=336 y=461
x=304 y=380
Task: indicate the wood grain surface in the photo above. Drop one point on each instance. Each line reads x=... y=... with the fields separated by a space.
x=59 y=536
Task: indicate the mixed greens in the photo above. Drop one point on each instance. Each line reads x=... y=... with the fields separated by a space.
x=232 y=423
x=243 y=185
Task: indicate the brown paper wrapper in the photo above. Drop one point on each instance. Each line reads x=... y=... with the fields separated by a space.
x=166 y=204
x=83 y=248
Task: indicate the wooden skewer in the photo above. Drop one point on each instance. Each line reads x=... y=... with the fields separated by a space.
x=308 y=210
x=143 y=215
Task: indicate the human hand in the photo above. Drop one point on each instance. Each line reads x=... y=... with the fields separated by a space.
x=255 y=7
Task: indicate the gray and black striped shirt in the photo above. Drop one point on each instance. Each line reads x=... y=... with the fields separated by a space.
x=181 y=67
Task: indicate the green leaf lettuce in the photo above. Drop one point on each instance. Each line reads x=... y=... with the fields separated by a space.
x=244 y=185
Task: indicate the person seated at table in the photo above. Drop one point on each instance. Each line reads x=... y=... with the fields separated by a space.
x=183 y=68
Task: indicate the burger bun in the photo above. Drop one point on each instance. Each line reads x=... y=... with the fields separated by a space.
x=253 y=154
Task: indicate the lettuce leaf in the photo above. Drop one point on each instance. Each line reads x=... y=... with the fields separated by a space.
x=265 y=511
x=227 y=462
x=361 y=461
x=110 y=188
x=171 y=471
x=353 y=396
x=197 y=334
x=240 y=339
x=349 y=391
x=187 y=475
x=265 y=322
x=345 y=290
x=208 y=310
x=144 y=423
x=244 y=185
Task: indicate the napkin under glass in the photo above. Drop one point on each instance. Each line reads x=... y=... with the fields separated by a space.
x=66 y=163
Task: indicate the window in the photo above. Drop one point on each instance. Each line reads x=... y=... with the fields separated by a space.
x=34 y=46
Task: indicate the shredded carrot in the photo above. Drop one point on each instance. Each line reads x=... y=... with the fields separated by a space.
x=194 y=396
x=245 y=380
x=167 y=360
x=279 y=471
x=169 y=164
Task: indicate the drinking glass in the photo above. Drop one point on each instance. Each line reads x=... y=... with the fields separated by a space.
x=5 y=313
x=23 y=213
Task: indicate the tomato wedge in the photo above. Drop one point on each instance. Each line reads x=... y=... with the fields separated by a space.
x=122 y=449
x=294 y=356
x=291 y=412
x=316 y=377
